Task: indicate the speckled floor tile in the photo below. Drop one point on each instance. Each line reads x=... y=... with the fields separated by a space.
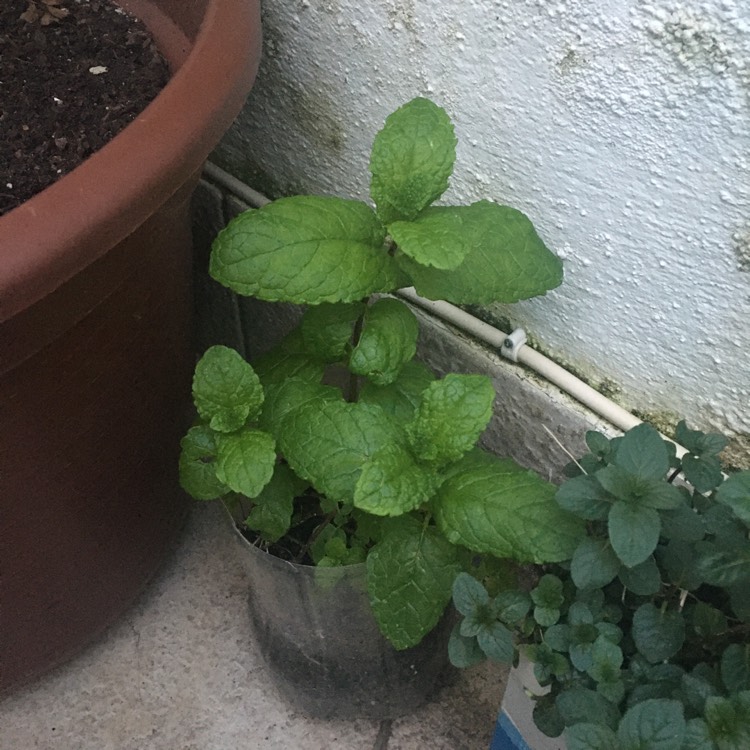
x=180 y=672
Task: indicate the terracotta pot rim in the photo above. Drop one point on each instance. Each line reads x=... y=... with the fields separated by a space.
x=61 y=230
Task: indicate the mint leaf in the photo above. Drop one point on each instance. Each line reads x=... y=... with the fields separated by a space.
x=410 y=573
x=412 y=158
x=594 y=564
x=272 y=512
x=703 y=472
x=305 y=249
x=327 y=329
x=469 y=595
x=707 y=621
x=656 y=724
x=391 y=483
x=579 y=705
x=658 y=635
x=724 y=563
x=683 y=524
x=288 y=359
x=698 y=736
x=387 y=342
x=245 y=460
x=735 y=493
x=635 y=490
x=590 y=737
x=400 y=398
x=438 y=237
x=226 y=390
x=285 y=398
x=585 y=497
x=643 y=453
x=607 y=657
x=643 y=579
x=735 y=667
x=493 y=505
x=633 y=531
x=198 y=464
x=328 y=442
x=728 y=721
x=497 y=642
x=700 y=443
x=451 y=416
x=464 y=652
x=508 y=261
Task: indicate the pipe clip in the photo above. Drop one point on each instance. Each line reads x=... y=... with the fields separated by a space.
x=513 y=343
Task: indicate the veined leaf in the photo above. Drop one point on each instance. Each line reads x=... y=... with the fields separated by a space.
x=633 y=531
x=271 y=515
x=305 y=249
x=400 y=398
x=735 y=493
x=245 y=460
x=412 y=158
x=198 y=464
x=327 y=329
x=656 y=724
x=658 y=635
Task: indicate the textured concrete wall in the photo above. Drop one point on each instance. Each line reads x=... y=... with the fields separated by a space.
x=622 y=127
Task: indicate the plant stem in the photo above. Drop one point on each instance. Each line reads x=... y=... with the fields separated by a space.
x=352 y=391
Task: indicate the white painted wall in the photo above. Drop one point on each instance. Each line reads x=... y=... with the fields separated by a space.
x=621 y=127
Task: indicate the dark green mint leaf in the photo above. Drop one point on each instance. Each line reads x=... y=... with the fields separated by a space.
x=656 y=724
x=392 y=483
x=594 y=564
x=557 y=638
x=305 y=249
x=658 y=635
x=683 y=524
x=387 y=342
x=607 y=660
x=546 y=716
x=327 y=329
x=400 y=398
x=634 y=532
x=728 y=721
x=412 y=158
x=650 y=493
x=438 y=237
x=588 y=736
x=245 y=460
x=497 y=642
x=493 y=505
x=724 y=563
x=198 y=464
x=272 y=513
x=700 y=443
x=599 y=445
x=735 y=667
x=697 y=736
x=410 y=573
x=451 y=416
x=707 y=621
x=584 y=496
x=548 y=592
x=735 y=493
x=289 y=359
x=678 y=560
x=703 y=472
x=695 y=692
x=226 y=390
x=578 y=705
x=512 y=606
x=612 y=690
x=508 y=262
x=643 y=453
x=469 y=594
x=643 y=579
x=462 y=651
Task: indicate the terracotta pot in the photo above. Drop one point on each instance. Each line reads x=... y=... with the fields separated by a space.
x=95 y=353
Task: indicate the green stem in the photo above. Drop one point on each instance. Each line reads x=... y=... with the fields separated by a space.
x=352 y=391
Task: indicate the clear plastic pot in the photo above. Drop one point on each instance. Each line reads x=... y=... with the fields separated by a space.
x=327 y=656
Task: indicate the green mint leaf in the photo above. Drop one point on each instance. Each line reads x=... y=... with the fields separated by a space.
x=508 y=262
x=391 y=483
x=656 y=724
x=643 y=453
x=735 y=667
x=493 y=505
x=579 y=705
x=728 y=722
x=607 y=658
x=387 y=342
x=700 y=443
x=735 y=493
x=272 y=513
x=197 y=464
x=590 y=737
x=245 y=460
x=328 y=442
x=226 y=390
x=305 y=249
x=438 y=237
x=695 y=692
x=633 y=531
x=496 y=641
x=286 y=397
x=327 y=329
x=678 y=561
x=613 y=691
x=724 y=564
x=643 y=579
x=412 y=158
x=658 y=635
x=584 y=496
x=682 y=524
x=599 y=445
x=289 y=359
x=703 y=472
x=410 y=573
x=469 y=594
x=400 y=398
x=557 y=638
x=548 y=592
x=546 y=716
x=707 y=621
x=512 y=606
x=464 y=652
x=451 y=416
x=634 y=490
x=594 y=564
x=698 y=736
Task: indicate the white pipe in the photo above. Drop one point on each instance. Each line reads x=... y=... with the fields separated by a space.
x=566 y=381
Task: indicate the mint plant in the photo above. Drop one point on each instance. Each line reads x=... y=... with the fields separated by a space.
x=338 y=446
x=641 y=635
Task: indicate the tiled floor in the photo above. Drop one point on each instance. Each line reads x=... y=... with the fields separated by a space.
x=180 y=672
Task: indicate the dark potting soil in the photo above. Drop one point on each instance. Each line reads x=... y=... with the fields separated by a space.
x=69 y=82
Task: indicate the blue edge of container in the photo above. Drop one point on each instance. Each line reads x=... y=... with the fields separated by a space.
x=506 y=736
